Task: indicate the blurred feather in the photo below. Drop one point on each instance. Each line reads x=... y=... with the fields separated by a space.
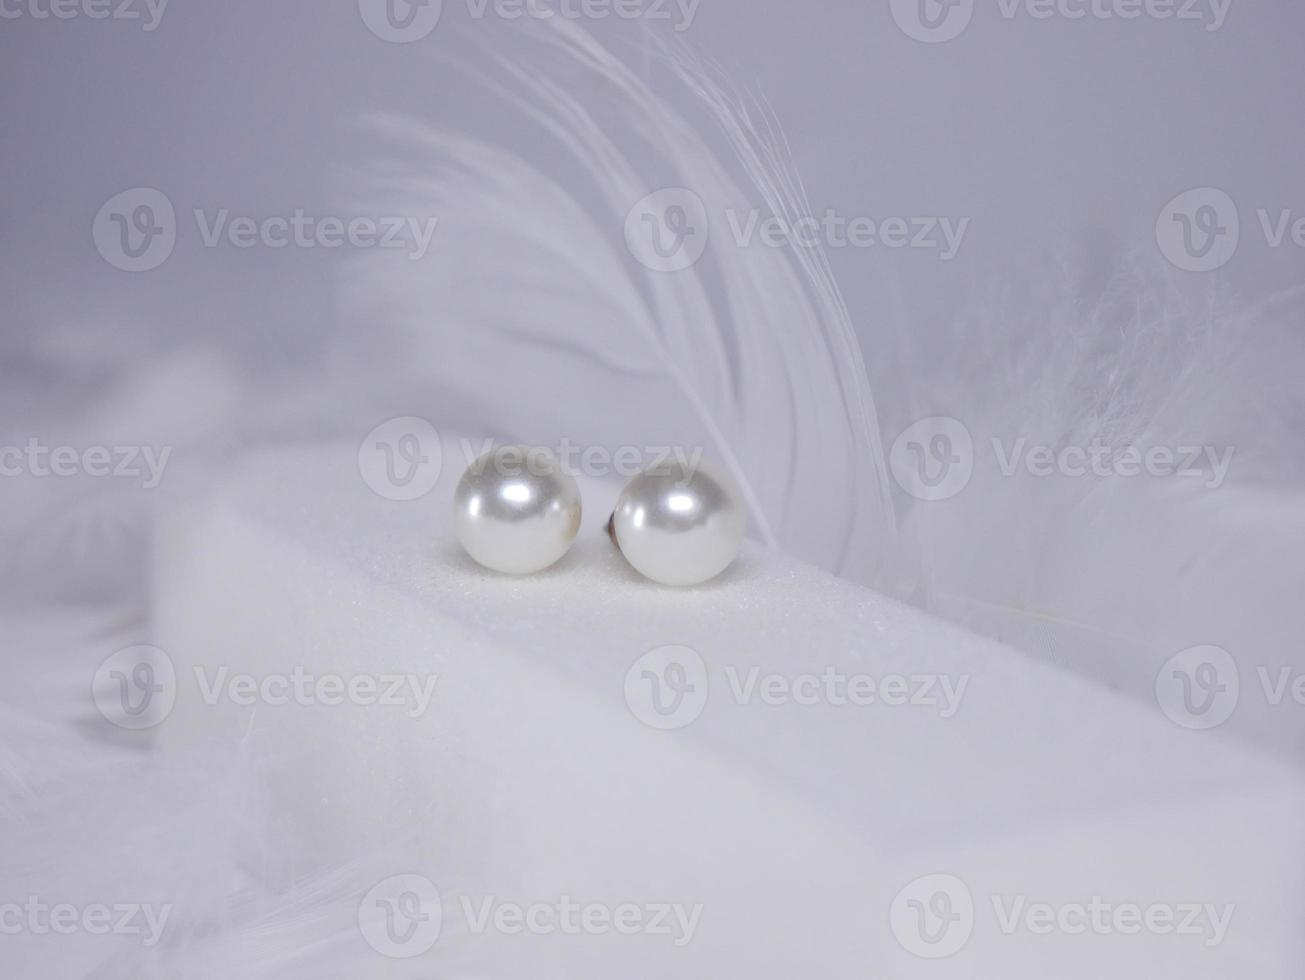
x=530 y=320
x=750 y=356
x=1110 y=575
x=533 y=315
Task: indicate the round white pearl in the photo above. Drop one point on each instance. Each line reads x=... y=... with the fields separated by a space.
x=678 y=525
x=516 y=510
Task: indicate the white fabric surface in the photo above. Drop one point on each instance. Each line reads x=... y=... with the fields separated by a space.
x=793 y=825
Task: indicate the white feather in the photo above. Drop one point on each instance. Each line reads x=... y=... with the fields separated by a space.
x=535 y=318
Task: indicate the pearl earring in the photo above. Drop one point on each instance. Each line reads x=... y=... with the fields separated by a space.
x=516 y=510
x=678 y=524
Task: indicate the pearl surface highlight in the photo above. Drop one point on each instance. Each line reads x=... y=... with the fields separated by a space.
x=678 y=524
x=516 y=510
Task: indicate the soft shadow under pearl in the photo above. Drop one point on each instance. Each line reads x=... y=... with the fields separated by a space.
x=516 y=510
x=677 y=524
